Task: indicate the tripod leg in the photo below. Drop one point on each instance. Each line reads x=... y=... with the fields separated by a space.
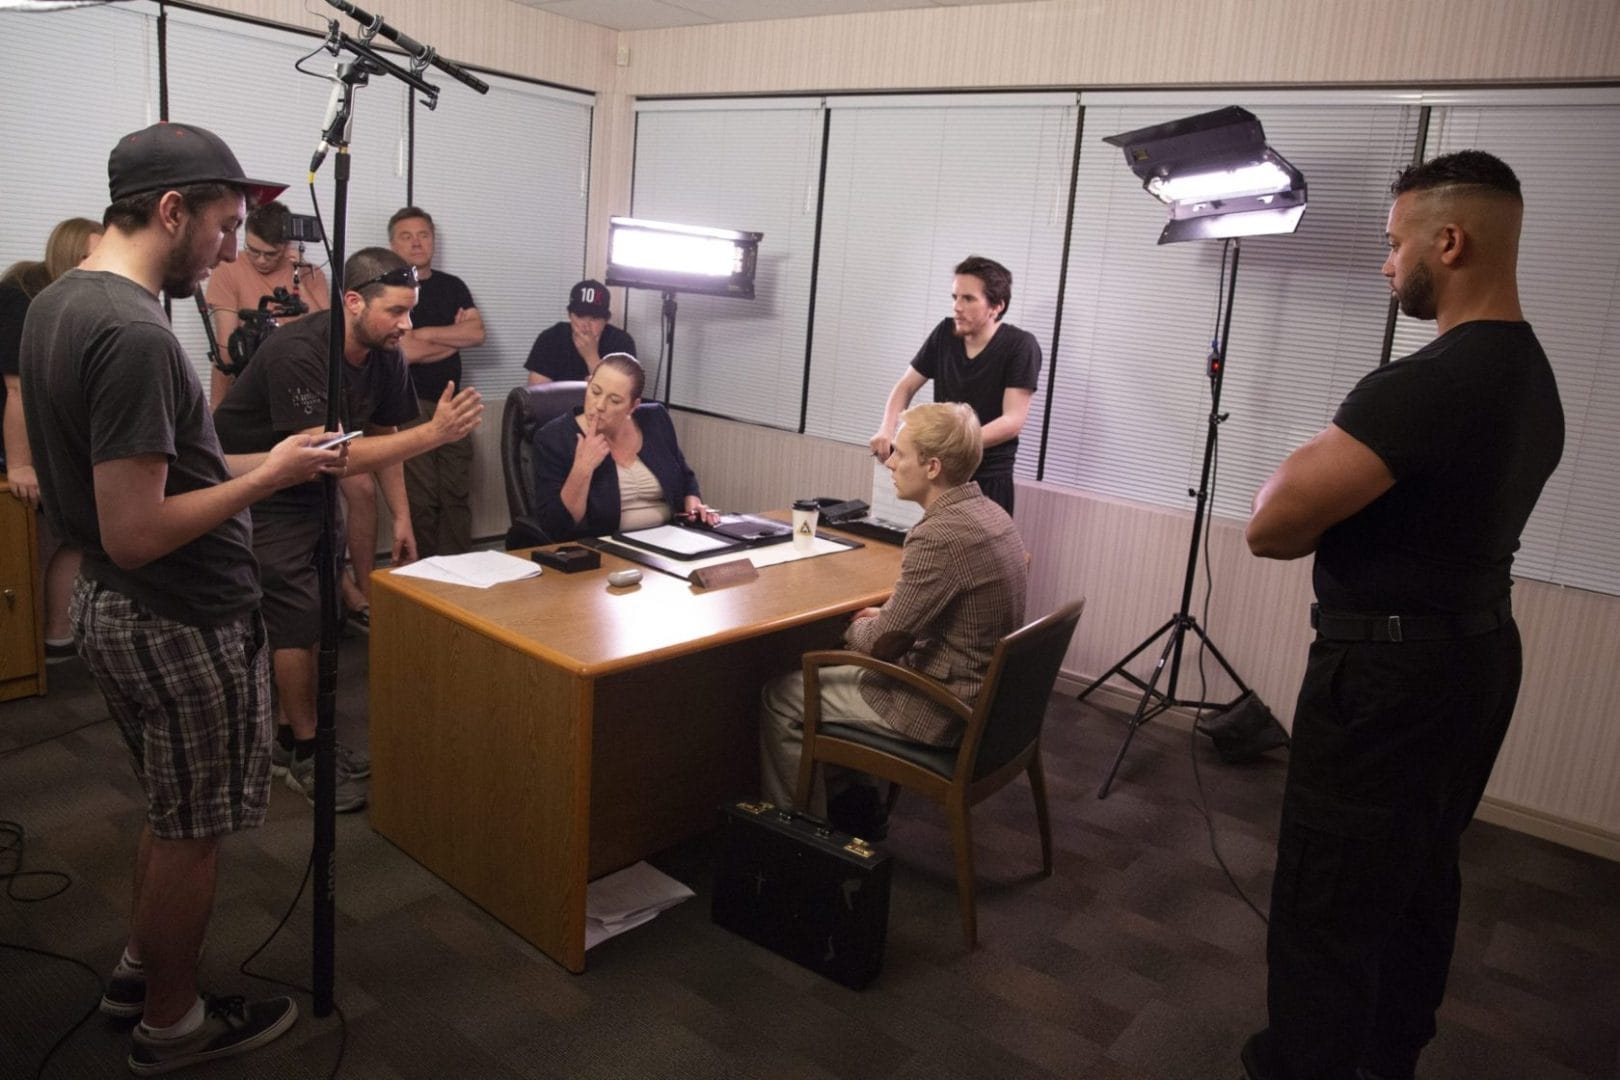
x=1216 y=653
x=1176 y=632
x=1132 y=655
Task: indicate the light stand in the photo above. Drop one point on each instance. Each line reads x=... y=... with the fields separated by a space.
x=668 y=365
x=680 y=258
x=1220 y=180
x=1155 y=701
x=349 y=75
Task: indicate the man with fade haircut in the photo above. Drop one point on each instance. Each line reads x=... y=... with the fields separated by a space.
x=1413 y=501
x=975 y=357
x=165 y=611
x=963 y=576
x=446 y=321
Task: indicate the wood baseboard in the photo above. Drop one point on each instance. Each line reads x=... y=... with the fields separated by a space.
x=1524 y=819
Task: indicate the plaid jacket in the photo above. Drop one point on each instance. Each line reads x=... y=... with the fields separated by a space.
x=963 y=576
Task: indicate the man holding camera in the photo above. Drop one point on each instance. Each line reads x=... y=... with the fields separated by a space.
x=267 y=262
x=283 y=392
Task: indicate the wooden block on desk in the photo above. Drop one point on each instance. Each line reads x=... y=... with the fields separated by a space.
x=720 y=575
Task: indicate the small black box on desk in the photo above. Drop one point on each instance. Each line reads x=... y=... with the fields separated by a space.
x=802 y=889
x=570 y=558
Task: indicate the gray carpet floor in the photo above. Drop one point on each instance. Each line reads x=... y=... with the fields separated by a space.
x=1136 y=960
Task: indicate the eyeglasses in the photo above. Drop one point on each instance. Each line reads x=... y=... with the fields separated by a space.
x=260 y=254
x=403 y=276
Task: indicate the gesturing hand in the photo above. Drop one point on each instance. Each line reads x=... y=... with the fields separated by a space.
x=882 y=445
x=457 y=413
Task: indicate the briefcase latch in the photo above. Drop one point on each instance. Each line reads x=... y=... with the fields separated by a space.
x=857 y=846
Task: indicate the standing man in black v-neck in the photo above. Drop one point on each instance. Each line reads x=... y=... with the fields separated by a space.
x=439 y=482
x=975 y=358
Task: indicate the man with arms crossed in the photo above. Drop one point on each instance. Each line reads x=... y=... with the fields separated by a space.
x=961 y=590
x=165 y=611
x=1413 y=501
x=974 y=357
x=284 y=391
x=446 y=321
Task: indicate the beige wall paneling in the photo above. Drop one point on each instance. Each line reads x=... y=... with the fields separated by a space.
x=1115 y=42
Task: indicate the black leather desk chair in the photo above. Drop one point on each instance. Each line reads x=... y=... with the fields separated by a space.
x=528 y=408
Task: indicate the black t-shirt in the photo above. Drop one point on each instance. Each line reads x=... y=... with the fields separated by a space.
x=1471 y=427
x=1011 y=359
x=283 y=391
x=438 y=298
x=555 y=357
x=13 y=309
x=105 y=380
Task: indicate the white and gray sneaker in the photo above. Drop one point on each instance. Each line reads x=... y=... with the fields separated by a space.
x=351 y=791
x=350 y=762
x=231 y=1025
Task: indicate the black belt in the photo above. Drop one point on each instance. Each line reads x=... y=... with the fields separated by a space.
x=1339 y=626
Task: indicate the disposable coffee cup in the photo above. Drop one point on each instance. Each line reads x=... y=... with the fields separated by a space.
x=805 y=512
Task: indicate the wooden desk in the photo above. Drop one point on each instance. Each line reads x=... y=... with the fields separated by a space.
x=22 y=600
x=531 y=737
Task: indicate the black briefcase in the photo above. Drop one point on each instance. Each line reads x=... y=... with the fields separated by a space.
x=795 y=885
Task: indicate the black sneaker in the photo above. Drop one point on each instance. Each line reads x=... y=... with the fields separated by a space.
x=126 y=994
x=233 y=1025
x=360 y=619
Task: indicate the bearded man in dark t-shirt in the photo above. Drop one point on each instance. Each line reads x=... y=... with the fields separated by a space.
x=165 y=611
x=284 y=391
x=975 y=358
x=1413 y=501
x=444 y=322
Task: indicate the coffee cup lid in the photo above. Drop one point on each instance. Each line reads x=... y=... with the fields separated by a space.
x=806 y=504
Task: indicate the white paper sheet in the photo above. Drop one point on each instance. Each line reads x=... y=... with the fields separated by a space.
x=627 y=899
x=476 y=569
x=675 y=538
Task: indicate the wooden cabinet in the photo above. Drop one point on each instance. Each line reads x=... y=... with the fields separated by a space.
x=22 y=614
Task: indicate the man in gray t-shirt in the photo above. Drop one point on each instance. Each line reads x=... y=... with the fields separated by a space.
x=165 y=612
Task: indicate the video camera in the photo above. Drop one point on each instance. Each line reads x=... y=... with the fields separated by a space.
x=256 y=325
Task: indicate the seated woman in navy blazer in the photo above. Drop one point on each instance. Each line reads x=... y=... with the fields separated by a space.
x=612 y=465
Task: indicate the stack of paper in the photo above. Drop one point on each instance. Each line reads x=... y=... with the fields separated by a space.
x=625 y=900
x=479 y=569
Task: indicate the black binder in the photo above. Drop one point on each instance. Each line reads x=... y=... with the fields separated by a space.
x=795 y=885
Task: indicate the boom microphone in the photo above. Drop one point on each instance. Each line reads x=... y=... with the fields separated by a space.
x=418 y=52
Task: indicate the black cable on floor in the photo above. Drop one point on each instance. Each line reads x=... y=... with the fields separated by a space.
x=8 y=751
x=13 y=841
x=343 y=1022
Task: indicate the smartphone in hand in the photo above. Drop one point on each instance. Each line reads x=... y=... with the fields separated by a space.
x=336 y=438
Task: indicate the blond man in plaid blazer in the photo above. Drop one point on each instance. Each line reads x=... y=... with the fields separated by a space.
x=963 y=576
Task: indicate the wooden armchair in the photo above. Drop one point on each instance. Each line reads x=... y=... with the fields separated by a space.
x=1002 y=737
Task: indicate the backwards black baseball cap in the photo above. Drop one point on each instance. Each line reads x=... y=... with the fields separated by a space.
x=166 y=156
x=590 y=298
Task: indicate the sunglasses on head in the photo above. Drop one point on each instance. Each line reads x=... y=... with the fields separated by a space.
x=404 y=276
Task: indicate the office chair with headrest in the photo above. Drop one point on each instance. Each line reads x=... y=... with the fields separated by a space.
x=528 y=408
x=1002 y=737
